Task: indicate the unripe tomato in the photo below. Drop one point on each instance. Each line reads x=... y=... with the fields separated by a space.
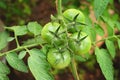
x=77 y=46
x=69 y=16
x=49 y=35
x=58 y=60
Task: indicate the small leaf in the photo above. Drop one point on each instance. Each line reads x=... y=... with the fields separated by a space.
x=3 y=77
x=39 y=66
x=105 y=63
x=118 y=40
x=22 y=54
x=80 y=58
x=35 y=40
x=118 y=25
x=110 y=31
x=15 y=62
x=3 y=39
x=99 y=30
x=4 y=69
x=34 y=28
x=111 y=47
x=99 y=7
x=10 y=39
x=19 y=30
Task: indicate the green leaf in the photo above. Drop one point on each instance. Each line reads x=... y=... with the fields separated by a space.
x=15 y=62
x=35 y=40
x=22 y=54
x=118 y=25
x=111 y=47
x=37 y=52
x=19 y=30
x=91 y=32
x=109 y=21
x=4 y=69
x=34 y=28
x=80 y=58
x=10 y=39
x=3 y=5
x=3 y=77
x=99 y=30
x=110 y=31
x=118 y=40
x=39 y=66
x=3 y=39
x=99 y=7
x=105 y=63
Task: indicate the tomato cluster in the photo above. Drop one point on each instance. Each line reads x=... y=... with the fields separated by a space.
x=66 y=37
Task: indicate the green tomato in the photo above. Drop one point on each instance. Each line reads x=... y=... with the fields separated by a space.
x=69 y=16
x=49 y=35
x=58 y=60
x=79 y=45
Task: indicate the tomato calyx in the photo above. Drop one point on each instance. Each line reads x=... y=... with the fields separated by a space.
x=73 y=23
x=78 y=40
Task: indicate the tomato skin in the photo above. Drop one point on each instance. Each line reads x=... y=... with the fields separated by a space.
x=58 y=60
x=69 y=14
x=82 y=47
x=50 y=38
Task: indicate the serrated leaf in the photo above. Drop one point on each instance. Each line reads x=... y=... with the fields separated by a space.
x=109 y=21
x=37 y=52
x=34 y=28
x=99 y=7
x=99 y=30
x=19 y=30
x=15 y=62
x=4 y=69
x=3 y=77
x=22 y=54
x=105 y=63
x=3 y=39
x=39 y=66
x=111 y=47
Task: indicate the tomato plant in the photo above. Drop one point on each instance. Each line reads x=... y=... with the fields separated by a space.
x=62 y=43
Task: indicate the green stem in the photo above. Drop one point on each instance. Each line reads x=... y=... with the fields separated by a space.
x=103 y=39
x=59 y=7
x=19 y=48
x=74 y=69
x=16 y=39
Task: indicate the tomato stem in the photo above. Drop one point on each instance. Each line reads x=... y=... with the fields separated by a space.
x=74 y=69
x=20 y=48
x=59 y=7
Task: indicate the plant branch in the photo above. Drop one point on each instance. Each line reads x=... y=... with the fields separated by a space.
x=74 y=69
x=59 y=7
x=19 y=48
x=103 y=39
